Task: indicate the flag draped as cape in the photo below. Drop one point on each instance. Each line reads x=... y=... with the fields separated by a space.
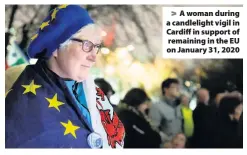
x=40 y=113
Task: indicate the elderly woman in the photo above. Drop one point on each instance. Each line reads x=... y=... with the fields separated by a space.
x=55 y=103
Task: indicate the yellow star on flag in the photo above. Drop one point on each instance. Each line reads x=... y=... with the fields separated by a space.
x=62 y=6
x=54 y=103
x=31 y=88
x=70 y=128
x=53 y=15
x=44 y=24
x=7 y=93
x=34 y=37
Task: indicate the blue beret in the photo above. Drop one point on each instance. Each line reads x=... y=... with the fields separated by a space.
x=60 y=25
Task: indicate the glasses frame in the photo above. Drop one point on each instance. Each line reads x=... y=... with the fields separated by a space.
x=99 y=46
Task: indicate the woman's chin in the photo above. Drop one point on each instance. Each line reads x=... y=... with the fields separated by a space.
x=81 y=78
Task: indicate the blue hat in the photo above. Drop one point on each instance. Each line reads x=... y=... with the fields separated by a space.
x=60 y=25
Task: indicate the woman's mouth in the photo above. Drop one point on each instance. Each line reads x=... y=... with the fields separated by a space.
x=85 y=66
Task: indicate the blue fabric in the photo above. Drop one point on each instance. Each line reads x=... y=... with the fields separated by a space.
x=30 y=121
x=82 y=99
x=67 y=22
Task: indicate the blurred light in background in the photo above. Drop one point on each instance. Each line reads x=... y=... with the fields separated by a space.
x=115 y=99
x=127 y=62
x=105 y=50
x=137 y=68
x=130 y=48
x=193 y=103
x=109 y=70
x=187 y=83
x=9 y=47
x=103 y=33
x=12 y=40
x=12 y=31
x=198 y=85
x=121 y=53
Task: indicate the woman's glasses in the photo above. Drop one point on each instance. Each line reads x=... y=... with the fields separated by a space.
x=87 y=46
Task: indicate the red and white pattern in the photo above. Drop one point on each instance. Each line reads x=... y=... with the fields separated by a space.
x=104 y=120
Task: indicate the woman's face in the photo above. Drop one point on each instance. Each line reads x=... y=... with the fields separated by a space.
x=144 y=107
x=73 y=61
x=185 y=100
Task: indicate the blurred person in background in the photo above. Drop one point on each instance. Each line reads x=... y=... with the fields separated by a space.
x=106 y=88
x=218 y=98
x=166 y=114
x=178 y=141
x=230 y=111
x=236 y=94
x=55 y=103
x=203 y=96
x=12 y=74
x=188 y=123
x=133 y=113
x=203 y=121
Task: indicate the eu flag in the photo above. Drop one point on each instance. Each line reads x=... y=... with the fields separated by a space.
x=40 y=112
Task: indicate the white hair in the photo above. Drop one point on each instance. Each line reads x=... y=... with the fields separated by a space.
x=67 y=42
